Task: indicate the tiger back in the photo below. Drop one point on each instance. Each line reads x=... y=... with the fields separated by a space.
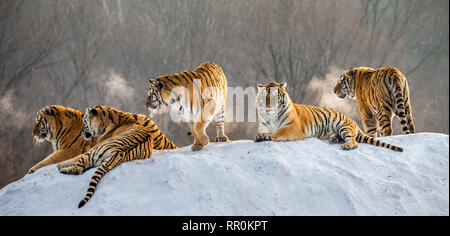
x=197 y=96
x=380 y=94
x=282 y=120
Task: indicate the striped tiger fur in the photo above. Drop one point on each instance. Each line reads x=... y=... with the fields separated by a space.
x=160 y=141
x=208 y=84
x=60 y=126
x=121 y=138
x=281 y=120
x=380 y=94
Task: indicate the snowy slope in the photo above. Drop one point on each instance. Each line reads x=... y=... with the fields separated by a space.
x=308 y=177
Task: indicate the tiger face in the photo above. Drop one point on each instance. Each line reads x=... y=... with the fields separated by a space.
x=155 y=95
x=93 y=124
x=344 y=86
x=44 y=124
x=271 y=97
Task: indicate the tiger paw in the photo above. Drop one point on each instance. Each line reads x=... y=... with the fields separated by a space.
x=69 y=171
x=61 y=166
x=64 y=164
x=334 y=139
x=197 y=147
x=263 y=137
x=222 y=139
x=347 y=147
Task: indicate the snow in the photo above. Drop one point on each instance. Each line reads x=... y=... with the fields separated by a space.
x=310 y=177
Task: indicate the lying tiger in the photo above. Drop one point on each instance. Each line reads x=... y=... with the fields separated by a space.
x=61 y=126
x=121 y=138
x=281 y=120
x=381 y=94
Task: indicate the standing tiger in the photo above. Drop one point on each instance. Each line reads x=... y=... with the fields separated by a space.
x=121 y=138
x=380 y=94
x=198 y=96
x=60 y=126
x=281 y=120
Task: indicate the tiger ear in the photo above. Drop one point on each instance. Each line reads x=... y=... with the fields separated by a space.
x=283 y=85
x=91 y=111
x=351 y=72
x=260 y=87
x=159 y=84
x=49 y=111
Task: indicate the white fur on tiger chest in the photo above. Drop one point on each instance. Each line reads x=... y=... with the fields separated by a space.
x=268 y=128
x=268 y=123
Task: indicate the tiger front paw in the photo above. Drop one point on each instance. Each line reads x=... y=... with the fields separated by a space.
x=73 y=170
x=222 y=139
x=334 y=139
x=197 y=147
x=263 y=137
x=65 y=164
x=349 y=146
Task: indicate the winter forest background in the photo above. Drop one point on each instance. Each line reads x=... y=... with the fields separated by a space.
x=81 y=53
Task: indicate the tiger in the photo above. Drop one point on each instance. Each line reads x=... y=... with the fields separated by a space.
x=201 y=100
x=282 y=120
x=380 y=94
x=121 y=138
x=60 y=126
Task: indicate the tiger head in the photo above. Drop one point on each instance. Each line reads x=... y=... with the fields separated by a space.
x=272 y=97
x=50 y=120
x=156 y=95
x=345 y=85
x=97 y=121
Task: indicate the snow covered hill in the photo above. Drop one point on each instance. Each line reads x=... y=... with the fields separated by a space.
x=308 y=177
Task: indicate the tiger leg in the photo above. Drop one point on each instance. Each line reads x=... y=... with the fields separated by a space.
x=409 y=120
x=370 y=126
x=349 y=136
x=385 y=122
x=334 y=139
x=408 y=112
x=200 y=137
x=58 y=156
x=68 y=163
x=287 y=133
x=220 y=126
x=76 y=165
x=191 y=132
